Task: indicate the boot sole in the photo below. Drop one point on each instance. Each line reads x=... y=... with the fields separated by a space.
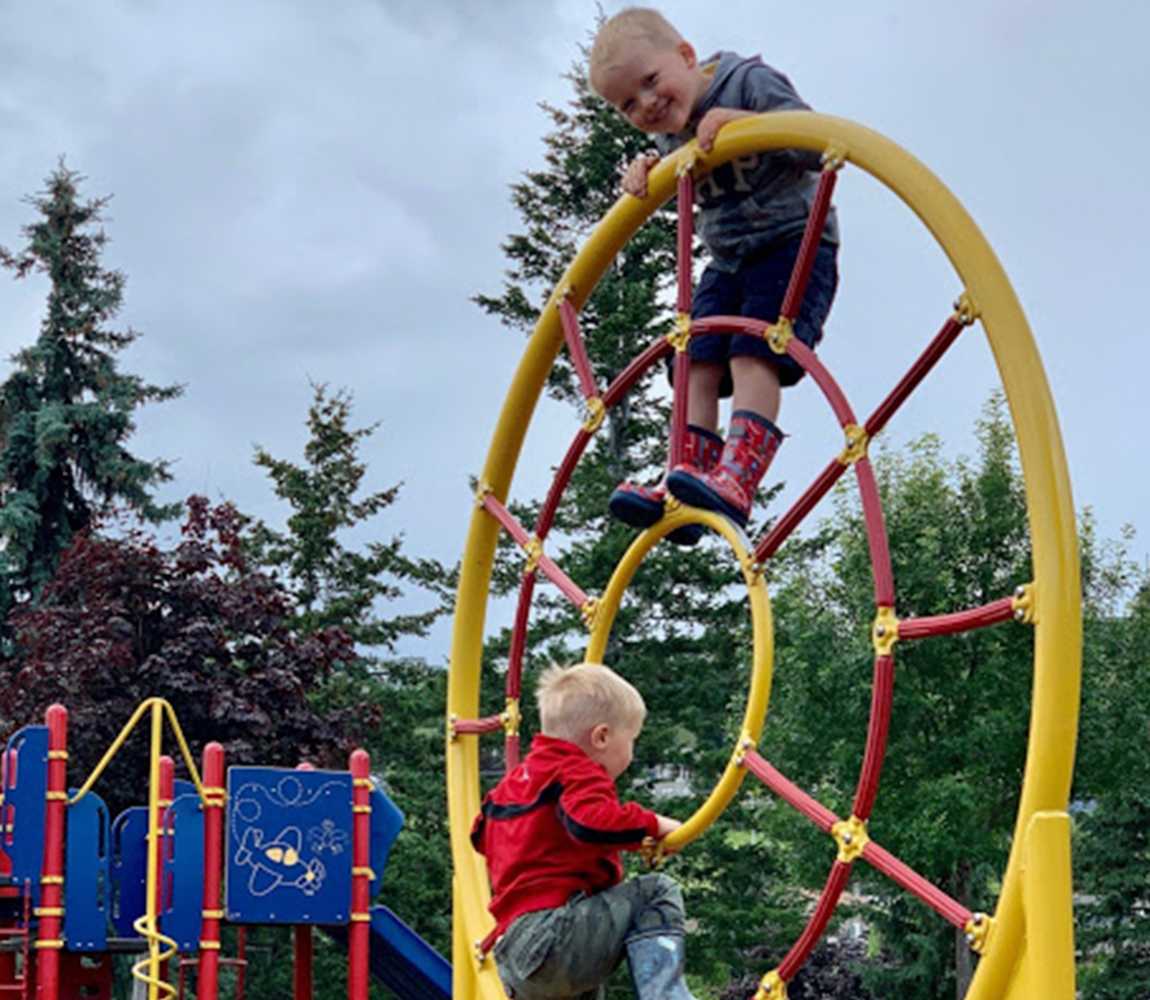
x=633 y=510
x=689 y=490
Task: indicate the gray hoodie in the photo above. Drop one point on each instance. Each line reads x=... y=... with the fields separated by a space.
x=754 y=202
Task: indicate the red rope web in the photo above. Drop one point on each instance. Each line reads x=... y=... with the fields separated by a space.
x=850 y=834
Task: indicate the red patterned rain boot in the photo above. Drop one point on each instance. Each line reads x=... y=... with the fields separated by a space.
x=729 y=487
x=642 y=506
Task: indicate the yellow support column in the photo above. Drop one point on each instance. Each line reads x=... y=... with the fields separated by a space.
x=1048 y=967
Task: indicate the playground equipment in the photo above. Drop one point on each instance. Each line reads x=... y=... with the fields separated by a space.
x=1026 y=945
x=256 y=845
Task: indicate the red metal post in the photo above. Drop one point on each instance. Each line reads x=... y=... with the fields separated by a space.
x=241 y=961
x=214 y=799
x=359 y=939
x=161 y=846
x=812 y=235
x=836 y=882
x=569 y=320
x=51 y=909
x=882 y=691
x=683 y=294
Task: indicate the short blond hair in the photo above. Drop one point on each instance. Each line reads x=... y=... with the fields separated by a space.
x=574 y=700
x=633 y=24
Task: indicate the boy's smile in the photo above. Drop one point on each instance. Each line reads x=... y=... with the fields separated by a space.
x=655 y=88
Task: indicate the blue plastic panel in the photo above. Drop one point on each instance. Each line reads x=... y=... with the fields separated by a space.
x=87 y=889
x=288 y=846
x=129 y=869
x=386 y=822
x=25 y=783
x=184 y=872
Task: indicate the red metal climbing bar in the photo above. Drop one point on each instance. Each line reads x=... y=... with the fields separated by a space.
x=559 y=483
x=876 y=534
x=569 y=320
x=685 y=241
x=632 y=373
x=878 y=727
x=799 y=510
x=817 y=371
x=488 y=724
x=916 y=373
x=519 y=635
x=789 y=792
x=566 y=585
x=960 y=621
x=949 y=909
x=681 y=379
x=805 y=261
x=828 y=900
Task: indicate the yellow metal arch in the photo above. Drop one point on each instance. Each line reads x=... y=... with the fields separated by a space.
x=1030 y=952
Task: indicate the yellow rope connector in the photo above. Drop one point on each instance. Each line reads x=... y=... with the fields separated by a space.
x=834 y=157
x=651 y=851
x=209 y=945
x=686 y=164
x=771 y=987
x=361 y=918
x=1023 y=604
x=482 y=491
x=857 y=443
x=851 y=836
x=452 y=733
x=361 y=809
x=51 y=879
x=478 y=953
x=680 y=335
x=745 y=744
x=884 y=632
x=510 y=717
x=49 y=911
x=212 y=914
x=965 y=309
x=779 y=334
x=57 y=754
x=590 y=611
x=593 y=413
x=53 y=943
x=977 y=930
x=534 y=550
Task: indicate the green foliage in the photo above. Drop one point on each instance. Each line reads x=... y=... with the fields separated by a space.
x=1112 y=783
x=66 y=410
x=334 y=585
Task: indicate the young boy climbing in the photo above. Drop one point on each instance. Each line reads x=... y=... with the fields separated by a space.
x=752 y=213
x=552 y=831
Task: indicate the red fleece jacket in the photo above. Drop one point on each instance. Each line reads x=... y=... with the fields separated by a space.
x=554 y=827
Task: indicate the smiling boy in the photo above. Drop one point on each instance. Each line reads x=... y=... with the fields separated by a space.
x=752 y=214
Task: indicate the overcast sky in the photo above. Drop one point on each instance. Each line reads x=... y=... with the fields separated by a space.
x=314 y=191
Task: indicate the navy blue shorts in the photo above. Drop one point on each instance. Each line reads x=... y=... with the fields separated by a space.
x=757 y=289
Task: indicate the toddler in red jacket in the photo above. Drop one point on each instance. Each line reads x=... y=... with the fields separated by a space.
x=552 y=831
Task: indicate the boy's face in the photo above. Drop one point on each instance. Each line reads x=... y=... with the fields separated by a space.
x=613 y=746
x=655 y=87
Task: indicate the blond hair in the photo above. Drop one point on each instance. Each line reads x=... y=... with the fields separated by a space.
x=573 y=700
x=634 y=24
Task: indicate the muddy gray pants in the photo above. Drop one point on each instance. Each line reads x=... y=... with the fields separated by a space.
x=568 y=952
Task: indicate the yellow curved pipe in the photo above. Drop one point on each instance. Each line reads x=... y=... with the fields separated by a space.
x=1010 y=954
x=762 y=655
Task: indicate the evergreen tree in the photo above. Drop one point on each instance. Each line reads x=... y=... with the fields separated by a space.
x=66 y=410
x=332 y=584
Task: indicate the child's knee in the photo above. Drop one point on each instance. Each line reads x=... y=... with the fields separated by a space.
x=662 y=910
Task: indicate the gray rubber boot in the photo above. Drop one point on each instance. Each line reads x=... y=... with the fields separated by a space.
x=656 y=962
